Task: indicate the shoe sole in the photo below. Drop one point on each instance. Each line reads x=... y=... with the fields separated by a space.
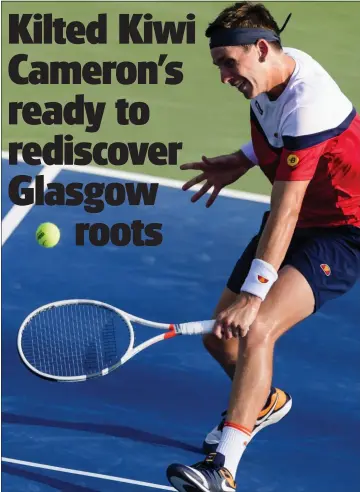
x=176 y=478
x=274 y=419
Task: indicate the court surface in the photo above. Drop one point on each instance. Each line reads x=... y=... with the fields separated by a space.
x=128 y=426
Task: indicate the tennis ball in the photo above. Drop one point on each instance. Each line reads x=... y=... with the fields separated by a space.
x=47 y=235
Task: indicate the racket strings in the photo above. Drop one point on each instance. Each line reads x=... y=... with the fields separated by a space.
x=75 y=340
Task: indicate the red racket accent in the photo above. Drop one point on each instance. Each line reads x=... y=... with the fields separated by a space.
x=171 y=333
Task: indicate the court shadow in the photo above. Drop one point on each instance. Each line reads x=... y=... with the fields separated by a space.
x=110 y=430
x=50 y=481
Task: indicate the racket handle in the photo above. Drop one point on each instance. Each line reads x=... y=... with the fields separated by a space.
x=195 y=327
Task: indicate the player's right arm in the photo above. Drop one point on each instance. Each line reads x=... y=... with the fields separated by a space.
x=218 y=172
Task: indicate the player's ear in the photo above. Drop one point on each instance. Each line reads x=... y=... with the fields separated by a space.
x=263 y=49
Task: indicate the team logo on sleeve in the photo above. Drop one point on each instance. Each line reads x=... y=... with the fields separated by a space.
x=292 y=160
x=262 y=280
x=326 y=269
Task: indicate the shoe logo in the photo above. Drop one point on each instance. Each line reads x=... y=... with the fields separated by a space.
x=228 y=480
x=270 y=412
x=326 y=269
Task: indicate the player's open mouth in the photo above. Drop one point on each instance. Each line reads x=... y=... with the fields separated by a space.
x=242 y=86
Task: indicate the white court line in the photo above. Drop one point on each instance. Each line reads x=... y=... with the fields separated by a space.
x=17 y=213
x=146 y=178
x=86 y=474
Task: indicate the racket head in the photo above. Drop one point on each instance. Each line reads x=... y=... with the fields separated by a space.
x=75 y=340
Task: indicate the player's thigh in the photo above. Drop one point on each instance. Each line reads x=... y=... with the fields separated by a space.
x=319 y=270
x=330 y=262
x=289 y=301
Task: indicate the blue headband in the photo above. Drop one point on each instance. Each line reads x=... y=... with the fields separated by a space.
x=240 y=36
x=224 y=36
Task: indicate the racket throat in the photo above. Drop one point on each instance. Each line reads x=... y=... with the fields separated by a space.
x=173 y=331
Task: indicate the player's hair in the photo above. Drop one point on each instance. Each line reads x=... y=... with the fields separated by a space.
x=246 y=14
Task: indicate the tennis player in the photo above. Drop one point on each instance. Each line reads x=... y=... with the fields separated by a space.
x=305 y=137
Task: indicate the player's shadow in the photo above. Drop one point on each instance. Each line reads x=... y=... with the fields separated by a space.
x=110 y=430
x=55 y=483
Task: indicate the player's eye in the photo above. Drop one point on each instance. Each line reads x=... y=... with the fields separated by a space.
x=229 y=63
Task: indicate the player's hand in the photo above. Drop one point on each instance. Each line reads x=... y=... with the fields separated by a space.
x=236 y=320
x=217 y=172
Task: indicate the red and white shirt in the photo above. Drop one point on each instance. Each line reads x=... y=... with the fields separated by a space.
x=311 y=132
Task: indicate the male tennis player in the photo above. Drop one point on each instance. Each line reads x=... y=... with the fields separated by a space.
x=306 y=139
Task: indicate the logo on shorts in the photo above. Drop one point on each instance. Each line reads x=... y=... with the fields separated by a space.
x=292 y=160
x=262 y=280
x=326 y=269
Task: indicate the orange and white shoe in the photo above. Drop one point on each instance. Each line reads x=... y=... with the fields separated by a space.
x=277 y=406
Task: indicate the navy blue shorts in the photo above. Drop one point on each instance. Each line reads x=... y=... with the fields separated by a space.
x=329 y=259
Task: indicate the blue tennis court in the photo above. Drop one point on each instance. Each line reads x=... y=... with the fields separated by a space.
x=127 y=427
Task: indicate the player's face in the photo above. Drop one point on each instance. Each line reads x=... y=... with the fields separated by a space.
x=242 y=69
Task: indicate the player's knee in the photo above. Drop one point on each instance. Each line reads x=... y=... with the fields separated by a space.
x=259 y=335
x=219 y=348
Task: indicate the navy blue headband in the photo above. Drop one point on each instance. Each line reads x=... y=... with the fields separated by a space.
x=240 y=35
x=224 y=36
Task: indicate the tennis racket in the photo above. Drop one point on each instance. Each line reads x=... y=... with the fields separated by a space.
x=80 y=339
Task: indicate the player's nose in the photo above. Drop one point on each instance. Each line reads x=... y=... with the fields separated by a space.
x=225 y=77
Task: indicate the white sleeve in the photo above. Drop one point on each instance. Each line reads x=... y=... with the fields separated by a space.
x=248 y=150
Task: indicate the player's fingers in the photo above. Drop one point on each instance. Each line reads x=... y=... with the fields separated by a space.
x=193 y=181
x=230 y=328
x=228 y=333
x=201 y=192
x=218 y=330
x=198 y=166
x=213 y=197
x=233 y=330
x=244 y=331
x=209 y=161
x=224 y=326
x=212 y=161
x=237 y=332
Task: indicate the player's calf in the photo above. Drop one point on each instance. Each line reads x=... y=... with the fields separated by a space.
x=225 y=352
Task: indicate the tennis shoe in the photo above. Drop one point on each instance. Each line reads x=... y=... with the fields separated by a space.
x=277 y=406
x=207 y=476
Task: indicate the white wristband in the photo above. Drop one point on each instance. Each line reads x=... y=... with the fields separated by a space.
x=248 y=150
x=260 y=278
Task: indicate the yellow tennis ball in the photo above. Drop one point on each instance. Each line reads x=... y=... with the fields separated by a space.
x=47 y=235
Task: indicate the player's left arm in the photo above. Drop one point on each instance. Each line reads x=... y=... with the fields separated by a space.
x=296 y=170
x=294 y=174
x=286 y=201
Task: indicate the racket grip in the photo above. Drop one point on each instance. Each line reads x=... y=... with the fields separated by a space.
x=195 y=327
